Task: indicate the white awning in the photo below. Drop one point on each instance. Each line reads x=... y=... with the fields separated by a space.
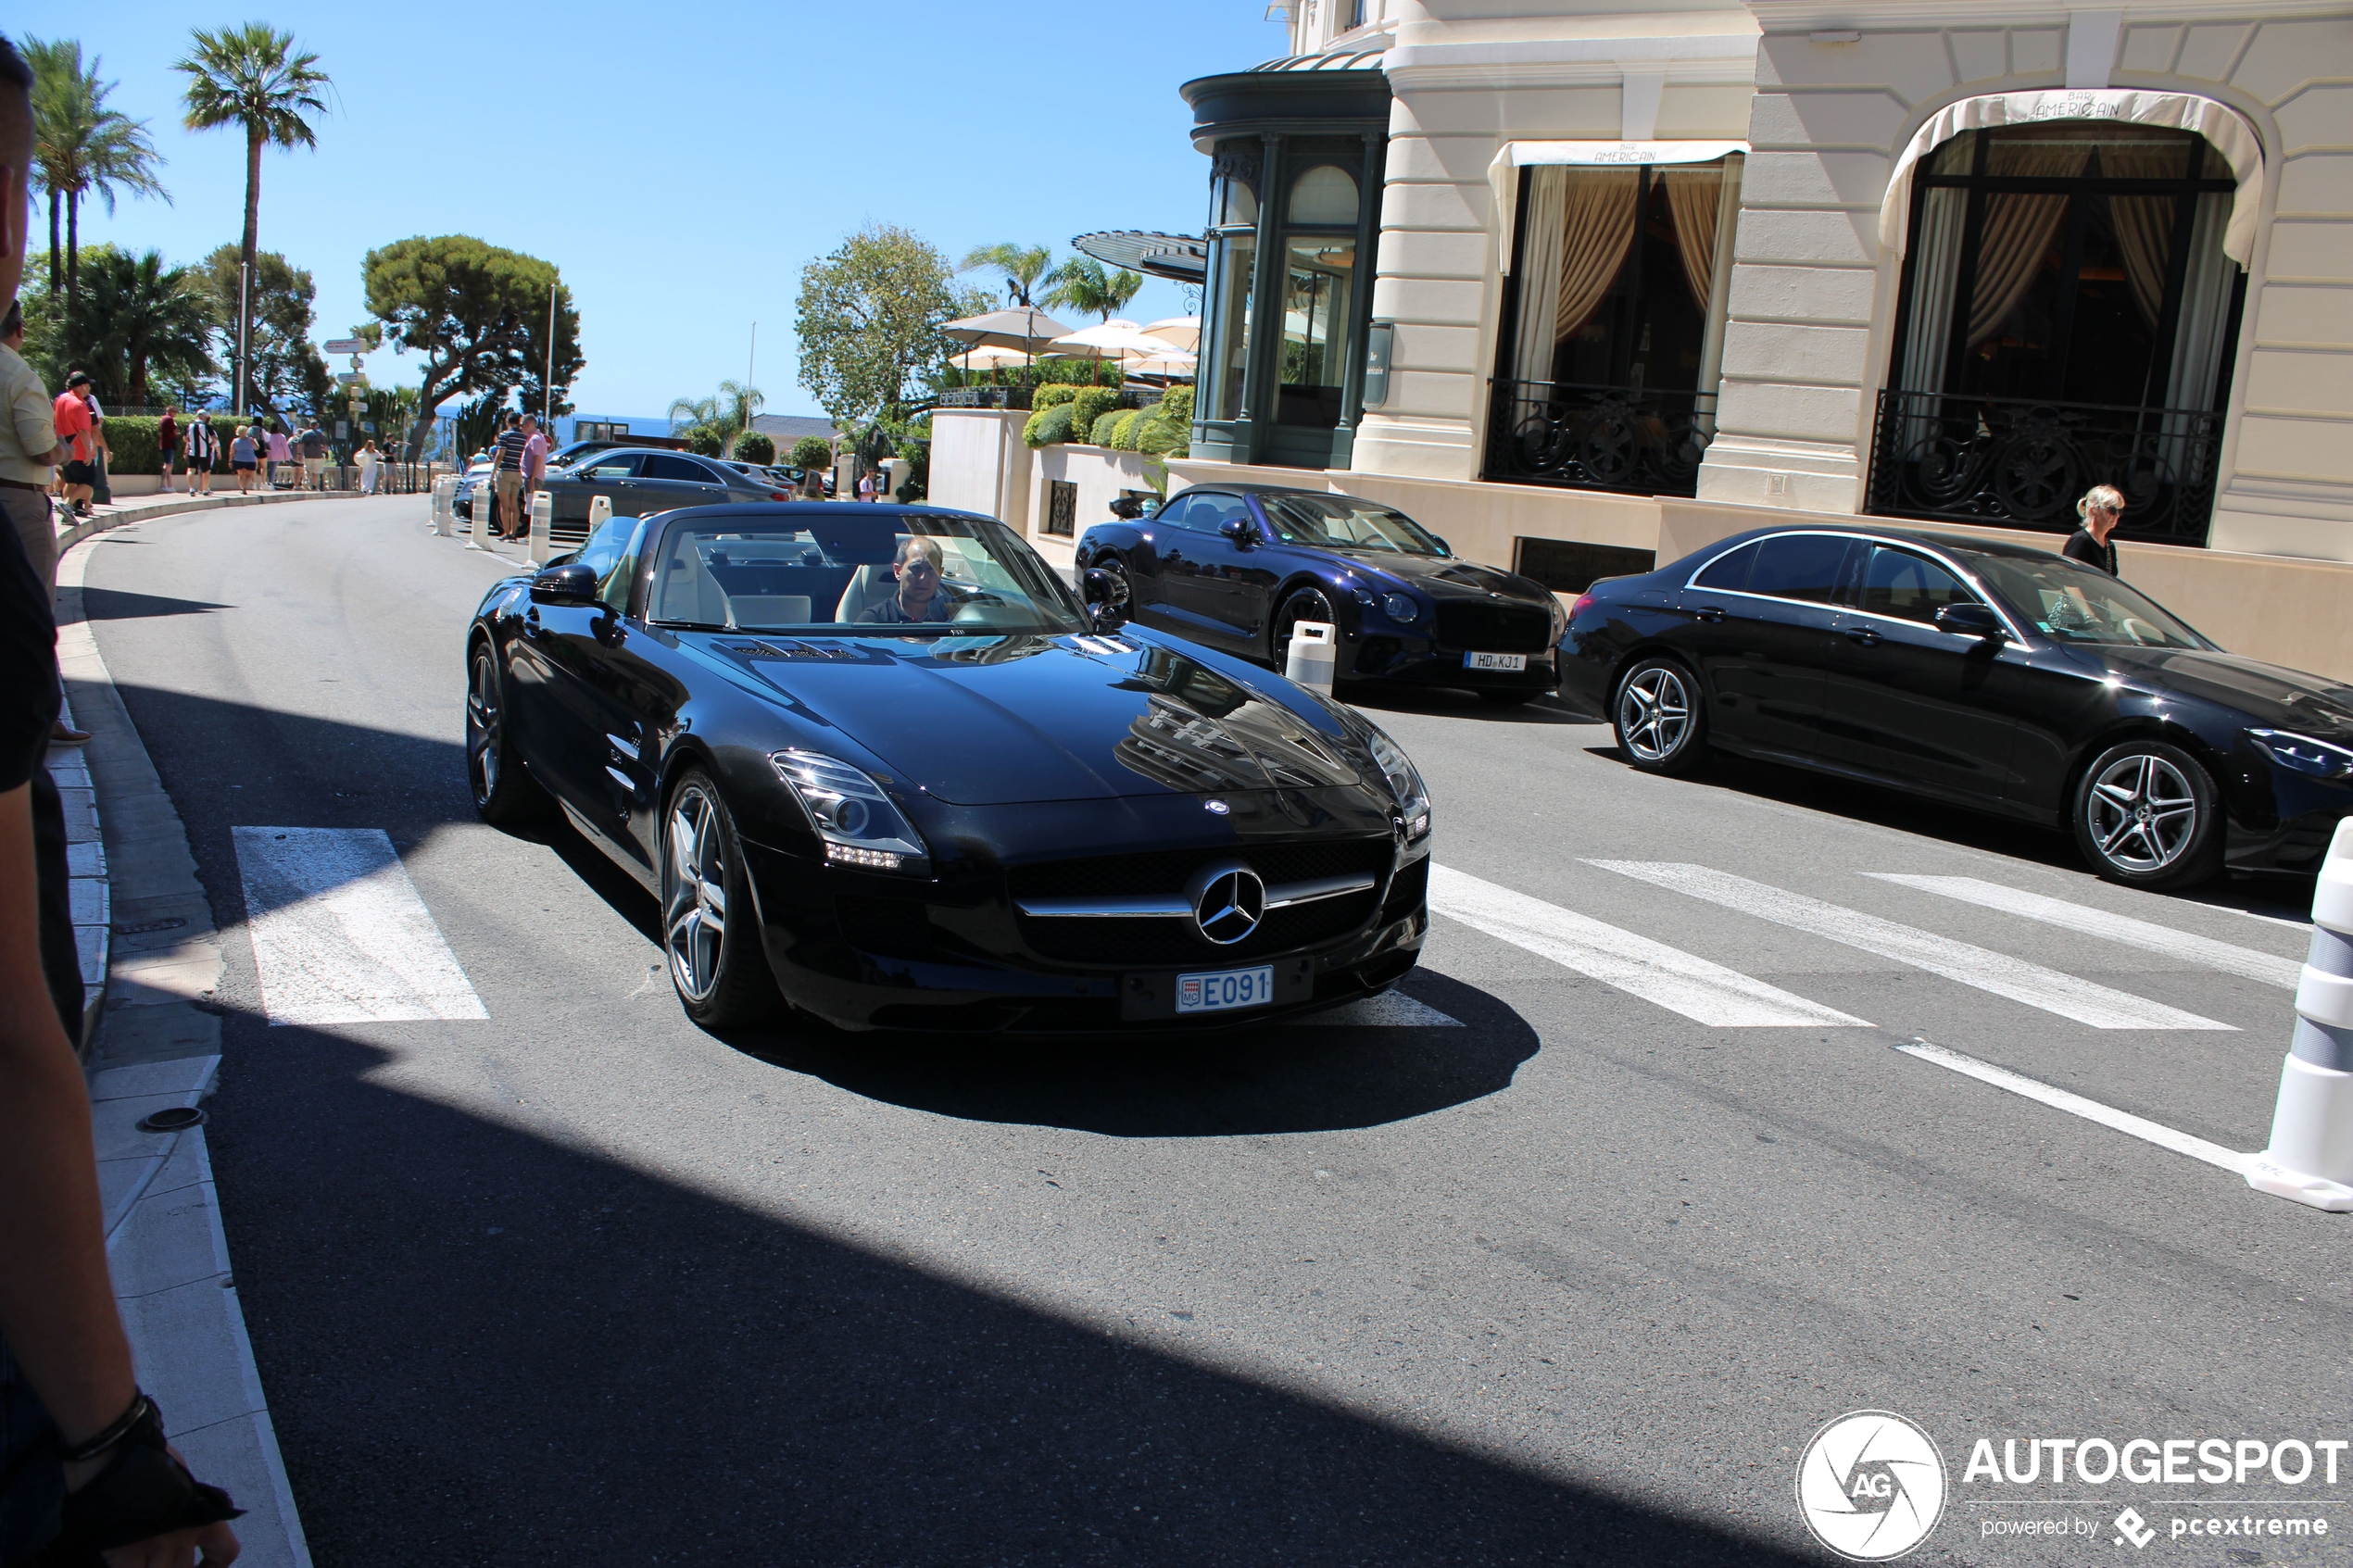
x=1504 y=172
x=2231 y=134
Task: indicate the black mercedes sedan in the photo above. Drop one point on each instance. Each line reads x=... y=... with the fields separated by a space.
x=1986 y=674
x=1237 y=566
x=883 y=760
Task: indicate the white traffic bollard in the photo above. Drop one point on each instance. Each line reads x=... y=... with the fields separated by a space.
x=2311 y=1160
x=478 y=525
x=1313 y=652
x=543 y=526
x=444 y=492
x=600 y=513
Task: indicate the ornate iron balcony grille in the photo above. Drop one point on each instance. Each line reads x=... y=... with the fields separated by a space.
x=1622 y=438
x=2023 y=463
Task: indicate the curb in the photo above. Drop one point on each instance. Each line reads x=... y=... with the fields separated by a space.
x=155 y=1045
x=139 y=512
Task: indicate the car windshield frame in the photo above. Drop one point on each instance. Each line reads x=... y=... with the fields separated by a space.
x=1296 y=513
x=993 y=574
x=2078 y=606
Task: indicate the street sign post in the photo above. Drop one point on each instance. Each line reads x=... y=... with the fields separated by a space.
x=347 y=345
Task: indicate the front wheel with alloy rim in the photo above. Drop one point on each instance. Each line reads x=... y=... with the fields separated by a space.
x=709 y=932
x=505 y=795
x=2147 y=815
x=1661 y=725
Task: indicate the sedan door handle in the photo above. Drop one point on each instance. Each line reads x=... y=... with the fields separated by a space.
x=1711 y=613
x=1866 y=636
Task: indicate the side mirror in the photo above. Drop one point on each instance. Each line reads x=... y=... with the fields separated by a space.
x=571 y=585
x=1106 y=595
x=1240 y=530
x=1969 y=620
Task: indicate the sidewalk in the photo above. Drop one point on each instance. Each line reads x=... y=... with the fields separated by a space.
x=152 y=960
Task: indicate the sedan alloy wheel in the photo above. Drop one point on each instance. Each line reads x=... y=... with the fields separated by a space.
x=503 y=791
x=1660 y=725
x=708 y=930
x=2146 y=814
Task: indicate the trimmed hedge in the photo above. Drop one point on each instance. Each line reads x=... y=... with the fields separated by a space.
x=1051 y=396
x=812 y=452
x=1107 y=427
x=755 y=447
x=1047 y=426
x=1123 y=430
x=1091 y=404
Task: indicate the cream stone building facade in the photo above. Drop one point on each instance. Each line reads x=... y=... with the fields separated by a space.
x=1643 y=279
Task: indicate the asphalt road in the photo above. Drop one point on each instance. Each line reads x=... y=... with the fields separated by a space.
x=1575 y=1281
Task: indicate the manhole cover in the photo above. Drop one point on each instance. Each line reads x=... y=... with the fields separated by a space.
x=173 y=1119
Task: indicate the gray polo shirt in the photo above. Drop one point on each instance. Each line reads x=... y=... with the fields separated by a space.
x=25 y=424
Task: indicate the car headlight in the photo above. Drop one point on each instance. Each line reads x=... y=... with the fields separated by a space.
x=1400 y=607
x=2303 y=754
x=857 y=821
x=1560 y=619
x=1404 y=782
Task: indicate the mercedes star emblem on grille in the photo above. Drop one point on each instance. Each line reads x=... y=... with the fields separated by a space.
x=1229 y=901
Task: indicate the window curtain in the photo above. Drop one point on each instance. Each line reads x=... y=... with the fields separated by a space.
x=1540 y=273
x=1597 y=230
x=2017 y=232
x=1936 y=270
x=2144 y=224
x=1692 y=200
x=2206 y=309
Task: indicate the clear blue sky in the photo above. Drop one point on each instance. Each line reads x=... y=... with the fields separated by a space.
x=680 y=164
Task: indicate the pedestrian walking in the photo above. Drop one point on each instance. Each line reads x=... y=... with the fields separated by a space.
x=367 y=457
x=84 y=1466
x=70 y=415
x=534 y=470
x=168 y=442
x=2101 y=509
x=506 y=479
x=312 y=444
x=867 y=488
x=203 y=447
x=101 y=492
x=282 y=458
x=245 y=454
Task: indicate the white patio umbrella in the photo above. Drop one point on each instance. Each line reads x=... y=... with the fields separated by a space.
x=989 y=356
x=1018 y=328
x=1173 y=367
x=1182 y=330
x=1123 y=340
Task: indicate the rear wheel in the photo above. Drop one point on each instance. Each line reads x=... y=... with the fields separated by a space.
x=1308 y=604
x=1661 y=725
x=504 y=793
x=709 y=932
x=2147 y=815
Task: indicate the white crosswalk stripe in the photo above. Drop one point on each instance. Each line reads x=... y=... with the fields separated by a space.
x=2016 y=979
x=2269 y=968
x=339 y=934
x=2076 y=1105
x=1703 y=992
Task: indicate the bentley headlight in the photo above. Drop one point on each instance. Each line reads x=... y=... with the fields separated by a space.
x=857 y=821
x=1401 y=606
x=1560 y=620
x=2302 y=754
x=1404 y=783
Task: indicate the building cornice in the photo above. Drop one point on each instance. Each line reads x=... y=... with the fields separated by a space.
x=1576 y=62
x=1905 y=16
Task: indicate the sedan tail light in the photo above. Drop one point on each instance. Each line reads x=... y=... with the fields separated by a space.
x=780 y=495
x=1584 y=601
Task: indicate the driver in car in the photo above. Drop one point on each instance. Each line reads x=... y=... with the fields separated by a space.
x=919 y=598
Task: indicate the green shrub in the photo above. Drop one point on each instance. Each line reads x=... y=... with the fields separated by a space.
x=1048 y=397
x=1047 y=426
x=130 y=445
x=1122 y=430
x=1091 y=404
x=1178 y=401
x=752 y=446
x=1105 y=427
x=703 y=441
x=1079 y=372
x=812 y=452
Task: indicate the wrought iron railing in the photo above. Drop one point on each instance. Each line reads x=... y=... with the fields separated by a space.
x=1646 y=443
x=2023 y=463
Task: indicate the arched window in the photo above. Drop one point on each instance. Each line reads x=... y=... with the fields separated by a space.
x=1324 y=194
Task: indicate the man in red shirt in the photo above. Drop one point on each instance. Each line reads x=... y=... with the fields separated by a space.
x=71 y=417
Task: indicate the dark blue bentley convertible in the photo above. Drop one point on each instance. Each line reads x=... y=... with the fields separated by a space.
x=1237 y=566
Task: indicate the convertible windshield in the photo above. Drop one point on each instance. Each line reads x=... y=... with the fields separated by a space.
x=2076 y=603
x=853 y=571
x=1341 y=523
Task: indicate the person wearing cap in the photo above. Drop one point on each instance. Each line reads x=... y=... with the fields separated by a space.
x=70 y=416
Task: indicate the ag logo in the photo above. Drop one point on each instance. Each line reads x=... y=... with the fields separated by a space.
x=1872 y=1485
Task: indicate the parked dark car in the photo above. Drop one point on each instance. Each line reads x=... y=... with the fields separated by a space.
x=1237 y=566
x=1990 y=675
x=1005 y=814
x=639 y=481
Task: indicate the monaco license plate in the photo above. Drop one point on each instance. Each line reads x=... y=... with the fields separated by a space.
x=1224 y=989
x=1494 y=662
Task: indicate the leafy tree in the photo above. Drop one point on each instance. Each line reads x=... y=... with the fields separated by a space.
x=1081 y=284
x=252 y=77
x=479 y=316
x=285 y=367
x=82 y=148
x=139 y=317
x=812 y=452
x=755 y=447
x=869 y=321
x=1022 y=265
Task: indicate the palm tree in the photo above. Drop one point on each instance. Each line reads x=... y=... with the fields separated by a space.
x=143 y=319
x=82 y=148
x=725 y=416
x=251 y=76
x=1080 y=283
x=1020 y=265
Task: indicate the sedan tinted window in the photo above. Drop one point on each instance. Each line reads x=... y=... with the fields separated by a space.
x=1910 y=586
x=1798 y=566
x=1728 y=574
x=661 y=465
x=606 y=470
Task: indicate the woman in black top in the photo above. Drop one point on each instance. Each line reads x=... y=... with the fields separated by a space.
x=2101 y=509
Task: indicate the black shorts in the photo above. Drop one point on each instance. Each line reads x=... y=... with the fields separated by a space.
x=78 y=472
